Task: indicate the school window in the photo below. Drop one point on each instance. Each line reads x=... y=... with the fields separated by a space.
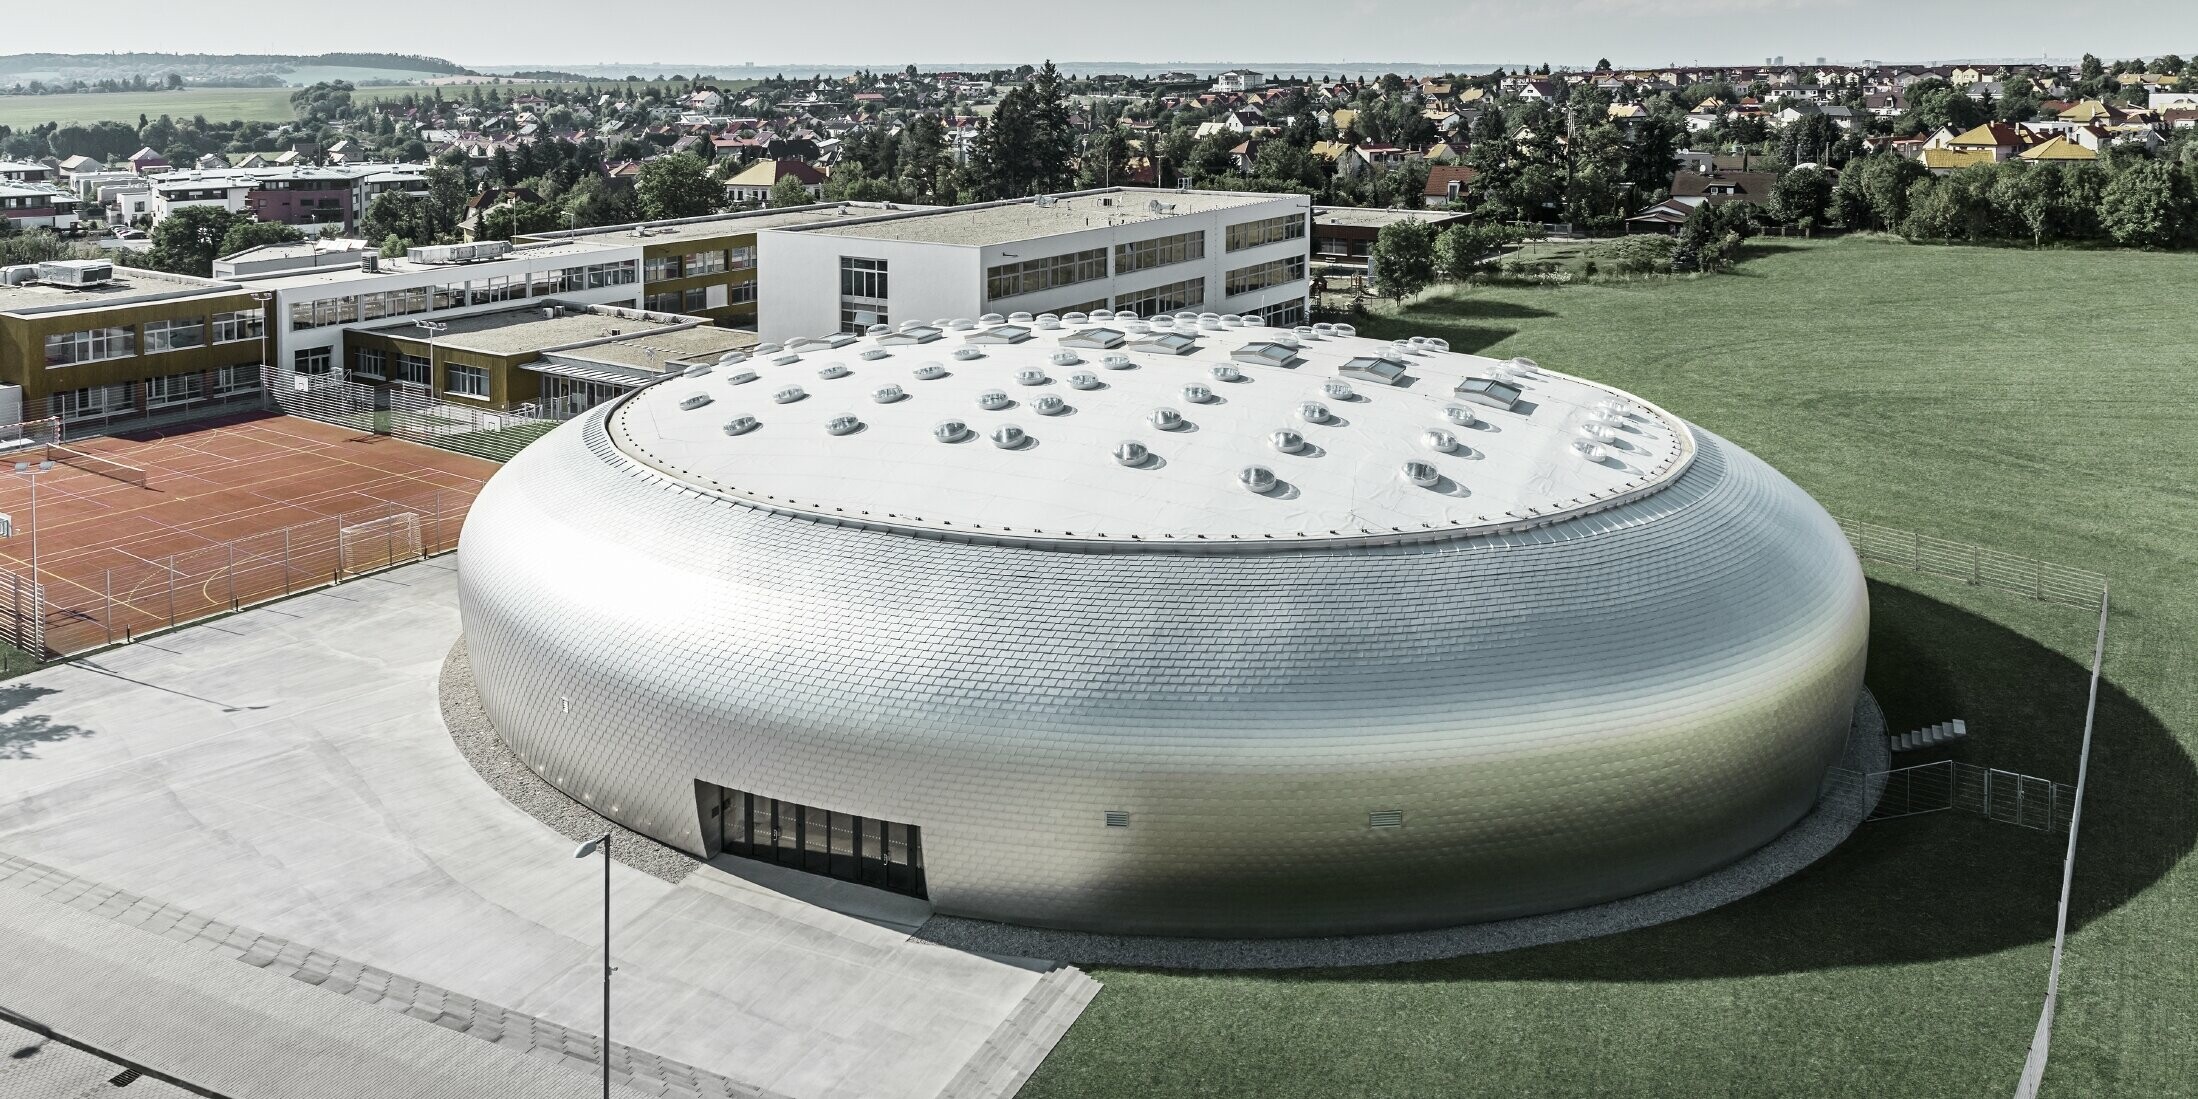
x=229 y=380
x=237 y=327
x=313 y=360
x=413 y=369
x=1252 y=234
x=1260 y=276
x=857 y=319
x=466 y=381
x=1030 y=276
x=661 y=303
x=174 y=335
x=660 y=269
x=744 y=293
x=703 y=263
x=373 y=364
x=698 y=299
x=1164 y=299
x=862 y=278
x=1144 y=255
x=173 y=389
x=743 y=258
x=94 y=345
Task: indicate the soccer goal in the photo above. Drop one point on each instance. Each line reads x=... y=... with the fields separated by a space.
x=378 y=543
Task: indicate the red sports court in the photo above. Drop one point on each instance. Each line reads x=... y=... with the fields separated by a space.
x=229 y=512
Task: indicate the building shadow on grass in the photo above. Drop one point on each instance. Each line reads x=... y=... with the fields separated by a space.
x=22 y=733
x=1939 y=885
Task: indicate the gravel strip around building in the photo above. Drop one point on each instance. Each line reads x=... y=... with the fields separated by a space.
x=1848 y=796
x=519 y=785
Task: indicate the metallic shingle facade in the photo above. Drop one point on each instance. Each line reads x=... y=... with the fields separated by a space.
x=1564 y=715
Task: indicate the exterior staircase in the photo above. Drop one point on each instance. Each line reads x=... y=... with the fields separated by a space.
x=1945 y=732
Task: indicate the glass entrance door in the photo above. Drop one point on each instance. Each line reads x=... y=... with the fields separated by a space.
x=825 y=842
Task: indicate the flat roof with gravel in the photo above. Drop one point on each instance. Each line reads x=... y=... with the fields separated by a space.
x=1007 y=222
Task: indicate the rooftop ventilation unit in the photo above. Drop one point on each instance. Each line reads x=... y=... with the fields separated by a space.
x=1131 y=453
x=992 y=318
x=740 y=425
x=1072 y=317
x=77 y=273
x=873 y=354
x=21 y=274
x=1461 y=415
x=1440 y=441
x=1209 y=320
x=694 y=401
x=1346 y=331
x=696 y=371
x=731 y=357
x=961 y=324
x=1422 y=474
x=1065 y=358
x=1313 y=412
x=1048 y=321
x=1172 y=343
x=1031 y=375
x=1265 y=353
x=789 y=395
x=1044 y=200
x=1226 y=372
x=1117 y=361
x=1257 y=478
x=1009 y=437
x=768 y=349
x=833 y=370
x=967 y=353
x=1288 y=441
x=787 y=359
x=876 y=329
x=1049 y=405
x=1304 y=332
x=1598 y=432
x=887 y=394
x=1101 y=316
x=1166 y=419
x=742 y=377
x=926 y=372
x=1437 y=343
x=842 y=425
x=1337 y=390
x=1197 y=393
x=1590 y=450
x=1020 y=318
x=1121 y=316
x=993 y=400
x=950 y=431
x=1324 y=329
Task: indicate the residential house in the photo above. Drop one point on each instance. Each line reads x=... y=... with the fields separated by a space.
x=753 y=184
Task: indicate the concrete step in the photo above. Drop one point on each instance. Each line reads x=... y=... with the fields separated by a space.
x=1930 y=736
x=1024 y=1037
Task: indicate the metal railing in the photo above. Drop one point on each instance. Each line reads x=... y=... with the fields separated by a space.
x=1973 y=564
x=2026 y=801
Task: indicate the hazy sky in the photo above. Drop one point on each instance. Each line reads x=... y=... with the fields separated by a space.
x=1644 y=32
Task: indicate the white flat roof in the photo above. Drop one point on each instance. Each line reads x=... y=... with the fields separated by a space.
x=458 y=272
x=1514 y=469
x=1026 y=219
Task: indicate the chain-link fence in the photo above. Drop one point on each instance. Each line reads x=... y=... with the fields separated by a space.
x=2004 y=796
x=86 y=610
x=404 y=411
x=1973 y=564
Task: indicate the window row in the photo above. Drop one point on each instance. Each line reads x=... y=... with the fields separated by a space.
x=103 y=401
x=428 y=299
x=1252 y=234
x=1187 y=294
x=122 y=342
x=1260 y=276
x=1030 y=276
x=662 y=268
x=1144 y=255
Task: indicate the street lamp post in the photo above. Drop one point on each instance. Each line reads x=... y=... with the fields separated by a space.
x=583 y=851
x=432 y=330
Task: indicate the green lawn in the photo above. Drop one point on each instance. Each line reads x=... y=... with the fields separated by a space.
x=223 y=104
x=2033 y=402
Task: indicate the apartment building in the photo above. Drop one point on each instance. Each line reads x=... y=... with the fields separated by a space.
x=1142 y=251
x=92 y=343
x=706 y=266
x=336 y=195
x=38 y=205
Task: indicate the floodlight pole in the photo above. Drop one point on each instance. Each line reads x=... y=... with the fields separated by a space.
x=266 y=330
x=38 y=594
x=583 y=851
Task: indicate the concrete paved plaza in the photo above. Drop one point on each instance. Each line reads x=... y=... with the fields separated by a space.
x=287 y=770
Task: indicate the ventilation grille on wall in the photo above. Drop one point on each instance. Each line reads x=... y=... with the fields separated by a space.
x=1385 y=818
x=1117 y=819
